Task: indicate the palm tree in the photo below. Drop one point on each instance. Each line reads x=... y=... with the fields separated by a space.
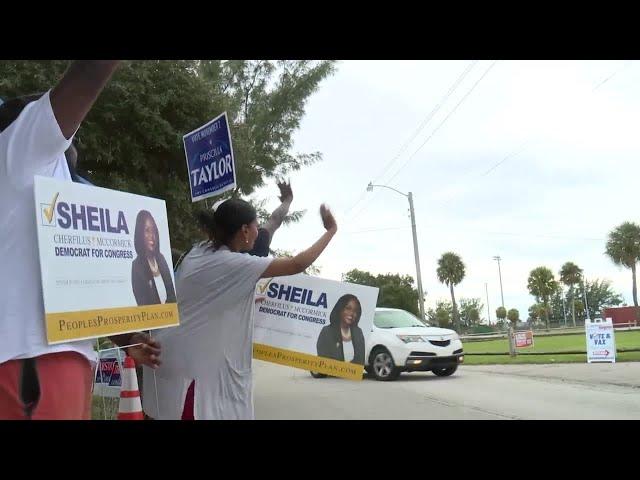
x=541 y=285
x=451 y=272
x=570 y=275
x=623 y=247
x=501 y=313
x=536 y=312
x=513 y=315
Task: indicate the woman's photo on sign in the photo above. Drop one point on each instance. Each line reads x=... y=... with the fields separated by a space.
x=343 y=339
x=150 y=274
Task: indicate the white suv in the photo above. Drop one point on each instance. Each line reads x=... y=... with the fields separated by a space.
x=400 y=342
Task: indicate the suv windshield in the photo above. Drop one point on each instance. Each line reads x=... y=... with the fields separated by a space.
x=396 y=319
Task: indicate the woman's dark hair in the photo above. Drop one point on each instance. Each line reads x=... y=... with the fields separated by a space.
x=225 y=222
x=138 y=237
x=341 y=304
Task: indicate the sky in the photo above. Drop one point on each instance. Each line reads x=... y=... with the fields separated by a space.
x=534 y=161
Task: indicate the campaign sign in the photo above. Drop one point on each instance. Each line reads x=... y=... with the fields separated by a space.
x=210 y=160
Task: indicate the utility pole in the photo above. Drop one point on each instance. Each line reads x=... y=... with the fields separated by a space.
x=417 y=256
x=497 y=258
x=488 y=309
x=415 y=243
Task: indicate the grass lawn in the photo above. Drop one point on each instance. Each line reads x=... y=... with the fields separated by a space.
x=548 y=343
x=104 y=408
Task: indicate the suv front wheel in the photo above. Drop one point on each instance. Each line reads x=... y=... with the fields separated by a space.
x=382 y=365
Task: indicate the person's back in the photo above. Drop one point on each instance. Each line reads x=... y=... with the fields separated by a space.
x=206 y=370
x=215 y=290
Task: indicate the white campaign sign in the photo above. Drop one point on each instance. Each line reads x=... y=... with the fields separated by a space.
x=314 y=324
x=601 y=342
x=105 y=261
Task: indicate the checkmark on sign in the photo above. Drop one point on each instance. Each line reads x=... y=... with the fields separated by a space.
x=48 y=211
x=262 y=288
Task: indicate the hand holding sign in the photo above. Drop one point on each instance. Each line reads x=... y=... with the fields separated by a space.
x=146 y=354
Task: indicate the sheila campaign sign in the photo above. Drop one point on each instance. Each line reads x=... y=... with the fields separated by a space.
x=103 y=259
x=314 y=324
x=210 y=160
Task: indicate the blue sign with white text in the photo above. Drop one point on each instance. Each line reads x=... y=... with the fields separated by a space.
x=210 y=160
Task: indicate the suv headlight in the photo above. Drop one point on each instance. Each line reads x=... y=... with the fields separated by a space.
x=410 y=338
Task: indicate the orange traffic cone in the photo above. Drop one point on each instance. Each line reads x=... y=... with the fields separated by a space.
x=130 y=404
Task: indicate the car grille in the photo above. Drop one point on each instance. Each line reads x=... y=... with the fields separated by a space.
x=457 y=351
x=443 y=361
x=440 y=343
x=422 y=354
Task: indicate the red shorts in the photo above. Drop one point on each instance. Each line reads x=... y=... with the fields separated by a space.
x=55 y=386
x=187 y=410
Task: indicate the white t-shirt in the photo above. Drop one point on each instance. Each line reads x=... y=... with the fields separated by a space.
x=214 y=342
x=162 y=290
x=32 y=145
x=347 y=349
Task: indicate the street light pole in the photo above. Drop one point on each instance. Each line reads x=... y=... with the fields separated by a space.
x=564 y=307
x=584 y=291
x=512 y=349
x=415 y=243
x=488 y=309
x=417 y=256
x=497 y=258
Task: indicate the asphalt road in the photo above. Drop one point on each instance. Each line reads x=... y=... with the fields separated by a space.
x=559 y=391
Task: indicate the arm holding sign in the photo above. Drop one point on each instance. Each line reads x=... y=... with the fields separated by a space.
x=147 y=353
x=298 y=264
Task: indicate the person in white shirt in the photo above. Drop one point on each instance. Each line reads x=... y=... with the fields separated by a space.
x=37 y=380
x=206 y=361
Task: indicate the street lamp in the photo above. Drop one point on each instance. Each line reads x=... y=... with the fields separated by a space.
x=415 y=242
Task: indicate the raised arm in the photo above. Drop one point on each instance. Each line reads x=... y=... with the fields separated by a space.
x=276 y=218
x=76 y=92
x=290 y=266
